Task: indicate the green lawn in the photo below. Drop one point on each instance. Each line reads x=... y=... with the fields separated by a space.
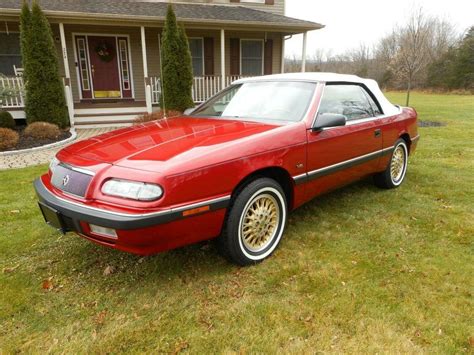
x=360 y=269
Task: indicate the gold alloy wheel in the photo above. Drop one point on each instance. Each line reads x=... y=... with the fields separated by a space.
x=398 y=164
x=260 y=222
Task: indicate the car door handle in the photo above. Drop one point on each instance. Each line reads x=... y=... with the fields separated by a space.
x=377 y=133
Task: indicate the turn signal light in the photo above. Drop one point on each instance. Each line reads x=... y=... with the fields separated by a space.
x=103 y=231
x=196 y=211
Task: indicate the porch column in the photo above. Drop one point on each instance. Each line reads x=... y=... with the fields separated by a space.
x=303 y=60
x=67 y=78
x=223 y=59
x=282 y=54
x=145 y=72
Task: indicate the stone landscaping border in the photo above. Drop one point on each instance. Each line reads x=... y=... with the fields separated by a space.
x=46 y=146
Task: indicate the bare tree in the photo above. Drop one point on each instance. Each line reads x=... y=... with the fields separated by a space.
x=413 y=47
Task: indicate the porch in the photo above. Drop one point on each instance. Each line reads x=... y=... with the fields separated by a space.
x=111 y=72
x=113 y=111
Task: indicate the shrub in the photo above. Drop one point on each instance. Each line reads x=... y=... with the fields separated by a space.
x=42 y=130
x=177 y=72
x=158 y=115
x=6 y=120
x=45 y=99
x=8 y=138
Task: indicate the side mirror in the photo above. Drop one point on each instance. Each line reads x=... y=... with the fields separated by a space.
x=188 y=111
x=325 y=120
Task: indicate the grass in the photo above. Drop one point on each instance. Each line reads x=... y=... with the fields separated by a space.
x=358 y=270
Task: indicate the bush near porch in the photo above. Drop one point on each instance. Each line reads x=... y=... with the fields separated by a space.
x=45 y=99
x=359 y=270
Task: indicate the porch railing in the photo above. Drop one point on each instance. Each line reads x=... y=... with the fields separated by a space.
x=204 y=87
x=14 y=88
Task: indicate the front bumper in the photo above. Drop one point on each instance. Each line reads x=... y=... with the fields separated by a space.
x=139 y=233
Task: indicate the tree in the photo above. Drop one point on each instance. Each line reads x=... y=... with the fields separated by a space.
x=412 y=48
x=464 y=62
x=45 y=100
x=176 y=75
x=25 y=22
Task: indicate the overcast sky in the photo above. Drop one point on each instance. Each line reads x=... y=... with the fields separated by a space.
x=349 y=22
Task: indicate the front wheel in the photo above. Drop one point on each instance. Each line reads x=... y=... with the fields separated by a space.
x=395 y=172
x=255 y=222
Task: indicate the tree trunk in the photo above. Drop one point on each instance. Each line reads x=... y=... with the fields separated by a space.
x=408 y=92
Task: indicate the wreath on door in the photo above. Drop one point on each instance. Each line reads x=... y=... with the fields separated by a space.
x=105 y=52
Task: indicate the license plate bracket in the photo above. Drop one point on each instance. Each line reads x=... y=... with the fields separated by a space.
x=52 y=217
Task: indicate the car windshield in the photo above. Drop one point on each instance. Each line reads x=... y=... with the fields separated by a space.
x=266 y=101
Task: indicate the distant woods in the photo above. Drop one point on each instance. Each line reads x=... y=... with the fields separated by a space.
x=424 y=52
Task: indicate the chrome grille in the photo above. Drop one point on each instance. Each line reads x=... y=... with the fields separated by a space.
x=71 y=181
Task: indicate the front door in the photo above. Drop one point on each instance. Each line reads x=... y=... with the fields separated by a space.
x=339 y=155
x=104 y=67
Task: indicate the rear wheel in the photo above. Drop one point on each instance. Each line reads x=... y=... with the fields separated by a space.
x=255 y=223
x=395 y=172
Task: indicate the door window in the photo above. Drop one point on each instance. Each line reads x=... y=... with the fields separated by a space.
x=348 y=100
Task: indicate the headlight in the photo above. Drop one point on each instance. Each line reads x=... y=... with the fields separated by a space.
x=54 y=163
x=132 y=189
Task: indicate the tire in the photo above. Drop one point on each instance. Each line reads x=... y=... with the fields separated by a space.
x=395 y=172
x=255 y=222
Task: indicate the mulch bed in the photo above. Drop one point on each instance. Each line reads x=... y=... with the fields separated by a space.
x=26 y=142
x=430 y=124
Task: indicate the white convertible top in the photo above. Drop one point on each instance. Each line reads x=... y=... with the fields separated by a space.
x=387 y=108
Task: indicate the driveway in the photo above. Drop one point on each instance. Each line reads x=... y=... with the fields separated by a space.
x=43 y=156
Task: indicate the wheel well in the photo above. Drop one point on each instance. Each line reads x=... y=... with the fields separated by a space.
x=280 y=175
x=407 y=139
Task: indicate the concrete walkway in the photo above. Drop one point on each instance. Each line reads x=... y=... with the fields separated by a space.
x=43 y=156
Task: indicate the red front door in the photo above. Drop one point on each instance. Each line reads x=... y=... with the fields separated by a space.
x=104 y=67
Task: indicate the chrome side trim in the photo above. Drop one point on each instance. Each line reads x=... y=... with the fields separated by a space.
x=151 y=214
x=75 y=168
x=340 y=166
x=414 y=139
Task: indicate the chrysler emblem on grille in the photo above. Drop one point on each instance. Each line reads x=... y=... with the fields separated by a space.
x=65 y=180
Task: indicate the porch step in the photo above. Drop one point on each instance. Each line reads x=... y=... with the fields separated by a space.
x=109 y=110
x=106 y=119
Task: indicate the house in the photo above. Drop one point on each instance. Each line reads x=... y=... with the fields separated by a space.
x=110 y=50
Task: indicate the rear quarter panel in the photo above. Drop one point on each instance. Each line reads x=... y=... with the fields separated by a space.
x=394 y=127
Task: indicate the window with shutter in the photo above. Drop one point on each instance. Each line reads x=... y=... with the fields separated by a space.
x=251 y=57
x=197 y=55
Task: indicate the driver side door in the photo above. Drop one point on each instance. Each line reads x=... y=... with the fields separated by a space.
x=339 y=155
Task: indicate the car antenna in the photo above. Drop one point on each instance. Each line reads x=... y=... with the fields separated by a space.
x=162 y=81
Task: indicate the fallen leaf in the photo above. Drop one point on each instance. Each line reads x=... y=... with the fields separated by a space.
x=100 y=318
x=10 y=269
x=180 y=347
x=15 y=211
x=48 y=284
x=471 y=342
x=108 y=270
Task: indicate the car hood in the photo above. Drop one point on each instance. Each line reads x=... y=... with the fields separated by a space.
x=151 y=145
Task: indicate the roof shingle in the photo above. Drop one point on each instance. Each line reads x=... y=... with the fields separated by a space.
x=185 y=12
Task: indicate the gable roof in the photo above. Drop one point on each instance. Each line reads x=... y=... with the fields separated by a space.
x=153 y=11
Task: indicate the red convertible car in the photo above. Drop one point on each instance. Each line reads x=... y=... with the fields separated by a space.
x=232 y=169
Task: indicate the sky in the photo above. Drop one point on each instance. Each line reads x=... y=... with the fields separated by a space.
x=349 y=23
